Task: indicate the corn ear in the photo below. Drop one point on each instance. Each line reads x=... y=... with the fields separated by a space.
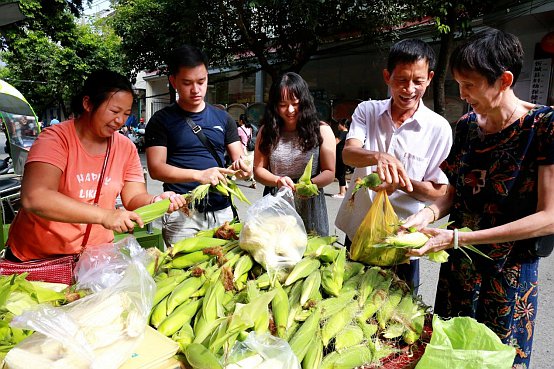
x=184 y=291
x=333 y=305
x=310 y=285
x=180 y=316
x=413 y=240
x=199 y=357
x=280 y=308
x=314 y=355
x=188 y=245
x=187 y=260
x=351 y=335
x=151 y=212
x=302 y=269
x=332 y=276
x=159 y=313
x=299 y=343
x=353 y=357
x=337 y=322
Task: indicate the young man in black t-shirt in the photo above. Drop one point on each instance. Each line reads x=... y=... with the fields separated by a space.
x=175 y=154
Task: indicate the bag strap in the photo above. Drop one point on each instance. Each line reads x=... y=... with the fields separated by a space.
x=249 y=136
x=97 y=197
x=209 y=145
x=205 y=141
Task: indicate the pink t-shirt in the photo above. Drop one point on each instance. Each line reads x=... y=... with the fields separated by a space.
x=33 y=237
x=244 y=134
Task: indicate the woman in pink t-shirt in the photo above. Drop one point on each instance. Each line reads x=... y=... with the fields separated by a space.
x=63 y=170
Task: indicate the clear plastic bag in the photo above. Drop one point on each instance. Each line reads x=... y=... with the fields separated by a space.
x=262 y=351
x=273 y=232
x=99 y=331
x=101 y=266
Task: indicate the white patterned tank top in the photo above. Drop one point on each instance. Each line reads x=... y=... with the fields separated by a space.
x=288 y=159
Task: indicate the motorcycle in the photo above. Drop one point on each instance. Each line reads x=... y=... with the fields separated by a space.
x=137 y=137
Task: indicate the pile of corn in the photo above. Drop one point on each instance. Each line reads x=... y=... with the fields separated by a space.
x=334 y=313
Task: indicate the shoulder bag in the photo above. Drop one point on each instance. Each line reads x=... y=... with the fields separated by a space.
x=55 y=269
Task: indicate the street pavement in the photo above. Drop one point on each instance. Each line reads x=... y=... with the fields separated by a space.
x=542 y=357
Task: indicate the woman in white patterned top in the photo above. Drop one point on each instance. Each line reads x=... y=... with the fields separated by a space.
x=291 y=133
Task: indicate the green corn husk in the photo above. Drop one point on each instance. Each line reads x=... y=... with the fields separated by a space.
x=151 y=212
x=370 y=181
x=305 y=187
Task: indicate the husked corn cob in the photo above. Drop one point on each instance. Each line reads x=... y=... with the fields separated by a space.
x=411 y=239
x=188 y=245
x=351 y=335
x=180 y=316
x=302 y=269
x=200 y=357
x=299 y=343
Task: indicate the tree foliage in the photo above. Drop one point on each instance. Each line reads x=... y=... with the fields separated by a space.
x=274 y=35
x=47 y=57
x=453 y=19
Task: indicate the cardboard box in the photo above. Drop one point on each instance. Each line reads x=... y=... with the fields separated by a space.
x=156 y=351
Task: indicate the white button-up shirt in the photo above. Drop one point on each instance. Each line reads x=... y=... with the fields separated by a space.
x=421 y=143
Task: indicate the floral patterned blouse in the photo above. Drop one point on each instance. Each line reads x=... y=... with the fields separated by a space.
x=496 y=175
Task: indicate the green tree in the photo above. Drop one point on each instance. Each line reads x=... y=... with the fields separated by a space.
x=453 y=20
x=274 y=35
x=47 y=63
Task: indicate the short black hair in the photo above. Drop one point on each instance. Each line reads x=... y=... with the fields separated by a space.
x=99 y=86
x=410 y=51
x=185 y=56
x=490 y=53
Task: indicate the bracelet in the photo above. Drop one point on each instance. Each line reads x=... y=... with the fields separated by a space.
x=456 y=246
x=155 y=198
x=435 y=215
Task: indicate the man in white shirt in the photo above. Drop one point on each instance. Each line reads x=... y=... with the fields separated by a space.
x=400 y=139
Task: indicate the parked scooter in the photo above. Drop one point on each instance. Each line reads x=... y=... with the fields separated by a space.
x=136 y=135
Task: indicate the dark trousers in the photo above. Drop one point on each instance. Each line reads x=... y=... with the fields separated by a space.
x=406 y=272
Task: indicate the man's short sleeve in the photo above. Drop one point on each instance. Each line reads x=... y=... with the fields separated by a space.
x=231 y=131
x=155 y=132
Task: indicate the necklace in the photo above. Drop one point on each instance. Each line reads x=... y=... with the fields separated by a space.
x=507 y=121
x=504 y=122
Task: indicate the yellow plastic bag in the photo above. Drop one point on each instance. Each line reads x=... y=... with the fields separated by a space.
x=379 y=222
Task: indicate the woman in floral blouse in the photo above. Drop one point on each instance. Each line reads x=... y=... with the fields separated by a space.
x=500 y=170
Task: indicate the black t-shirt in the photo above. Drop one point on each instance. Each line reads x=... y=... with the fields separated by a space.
x=342 y=138
x=168 y=128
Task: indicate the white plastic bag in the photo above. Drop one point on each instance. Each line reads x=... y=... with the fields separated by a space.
x=273 y=232
x=99 y=331
x=262 y=351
